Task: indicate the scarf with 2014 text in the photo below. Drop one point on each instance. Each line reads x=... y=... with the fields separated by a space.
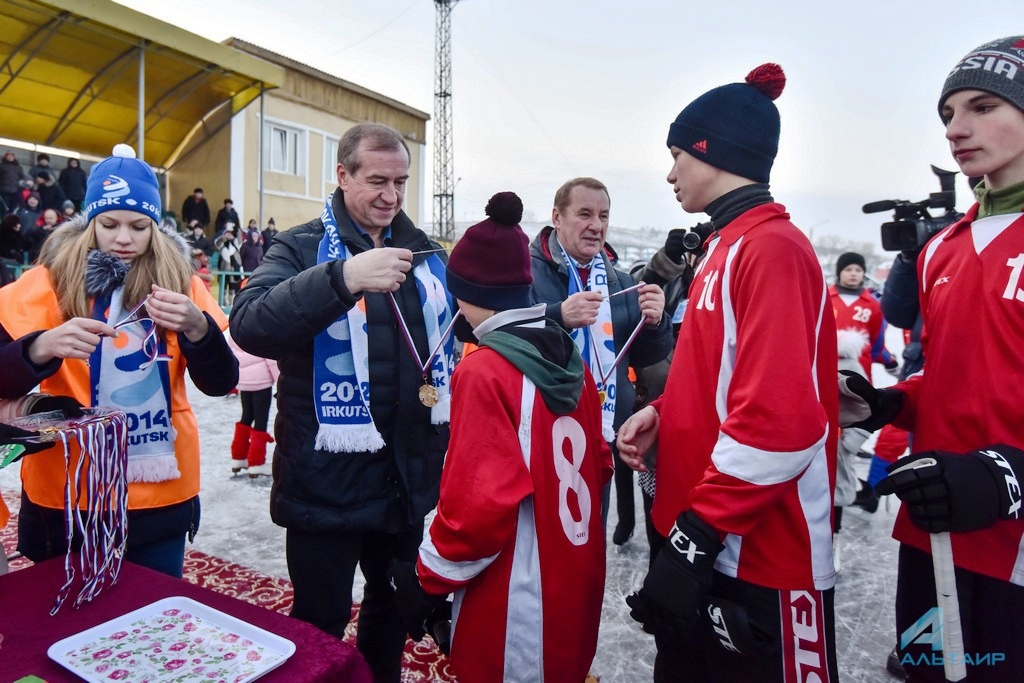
x=596 y=343
x=341 y=381
x=126 y=372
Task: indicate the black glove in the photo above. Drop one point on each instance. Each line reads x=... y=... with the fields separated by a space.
x=415 y=606
x=669 y=604
x=65 y=404
x=675 y=246
x=892 y=366
x=958 y=491
x=439 y=626
x=16 y=443
x=863 y=406
x=732 y=628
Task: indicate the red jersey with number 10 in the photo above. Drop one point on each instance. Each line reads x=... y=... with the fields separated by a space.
x=748 y=420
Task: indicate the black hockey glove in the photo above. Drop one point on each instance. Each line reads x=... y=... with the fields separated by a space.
x=958 y=491
x=669 y=604
x=675 y=245
x=415 y=606
x=863 y=406
x=731 y=626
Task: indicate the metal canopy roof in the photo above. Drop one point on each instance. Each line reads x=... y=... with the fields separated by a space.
x=69 y=77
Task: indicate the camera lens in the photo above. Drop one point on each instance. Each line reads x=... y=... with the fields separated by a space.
x=691 y=241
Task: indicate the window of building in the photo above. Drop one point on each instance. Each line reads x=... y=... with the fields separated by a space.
x=282 y=149
x=330 y=159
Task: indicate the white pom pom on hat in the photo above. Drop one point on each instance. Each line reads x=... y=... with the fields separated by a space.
x=124 y=151
x=122 y=181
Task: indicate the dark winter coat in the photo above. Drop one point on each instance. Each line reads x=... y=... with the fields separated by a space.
x=11 y=175
x=551 y=286
x=251 y=254
x=72 y=180
x=288 y=301
x=200 y=211
x=225 y=216
x=51 y=196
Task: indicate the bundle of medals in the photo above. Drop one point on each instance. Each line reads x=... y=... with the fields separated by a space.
x=95 y=495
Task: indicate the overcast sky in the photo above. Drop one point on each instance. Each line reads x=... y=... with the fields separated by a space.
x=545 y=90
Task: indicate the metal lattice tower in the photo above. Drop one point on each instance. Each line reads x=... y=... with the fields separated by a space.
x=444 y=166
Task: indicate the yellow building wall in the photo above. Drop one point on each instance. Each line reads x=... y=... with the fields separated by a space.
x=208 y=167
x=317 y=108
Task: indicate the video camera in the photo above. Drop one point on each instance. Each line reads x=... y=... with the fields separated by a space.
x=695 y=237
x=914 y=225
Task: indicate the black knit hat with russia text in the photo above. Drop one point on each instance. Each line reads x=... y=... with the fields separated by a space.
x=996 y=67
x=734 y=127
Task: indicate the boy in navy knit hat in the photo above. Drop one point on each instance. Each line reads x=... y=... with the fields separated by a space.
x=518 y=527
x=747 y=426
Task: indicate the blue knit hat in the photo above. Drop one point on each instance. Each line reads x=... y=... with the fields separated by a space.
x=122 y=182
x=734 y=127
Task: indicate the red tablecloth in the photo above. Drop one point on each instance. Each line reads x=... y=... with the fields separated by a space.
x=28 y=630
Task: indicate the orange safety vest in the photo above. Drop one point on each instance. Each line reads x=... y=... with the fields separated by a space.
x=29 y=304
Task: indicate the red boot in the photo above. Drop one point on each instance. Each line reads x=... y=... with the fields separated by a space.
x=240 y=448
x=258 y=454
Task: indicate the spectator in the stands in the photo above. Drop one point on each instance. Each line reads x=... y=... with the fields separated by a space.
x=72 y=180
x=195 y=207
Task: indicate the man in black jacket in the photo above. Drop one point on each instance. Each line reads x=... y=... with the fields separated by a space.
x=348 y=495
x=195 y=207
x=225 y=216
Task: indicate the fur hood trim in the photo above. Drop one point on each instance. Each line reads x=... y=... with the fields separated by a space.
x=78 y=223
x=851 y=343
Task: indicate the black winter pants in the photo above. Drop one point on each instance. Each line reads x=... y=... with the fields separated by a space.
x=322 y=568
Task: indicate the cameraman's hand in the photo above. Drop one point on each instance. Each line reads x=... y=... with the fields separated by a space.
x=636 y=436
x=675 y=245
x=863 y=406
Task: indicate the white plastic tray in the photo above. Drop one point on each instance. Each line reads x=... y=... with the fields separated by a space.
x=174 y=639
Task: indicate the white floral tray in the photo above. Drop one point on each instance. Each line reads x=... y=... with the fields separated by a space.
x=171 y=640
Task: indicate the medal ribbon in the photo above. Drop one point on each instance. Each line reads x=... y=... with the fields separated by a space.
x=407 y=335
x=150 y=344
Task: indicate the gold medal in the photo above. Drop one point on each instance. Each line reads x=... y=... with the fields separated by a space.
x=602 y=394
x=428 y=395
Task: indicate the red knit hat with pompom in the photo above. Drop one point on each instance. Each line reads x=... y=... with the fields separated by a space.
x=734 y=127
x=490 y=266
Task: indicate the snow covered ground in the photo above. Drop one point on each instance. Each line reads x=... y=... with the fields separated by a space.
x=236 y=526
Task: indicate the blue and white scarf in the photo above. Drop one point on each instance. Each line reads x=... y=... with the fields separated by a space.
x=341 y=373
x=123 y=375
x=596 y=343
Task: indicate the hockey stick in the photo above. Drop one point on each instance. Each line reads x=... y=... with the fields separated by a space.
x=954 y=667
